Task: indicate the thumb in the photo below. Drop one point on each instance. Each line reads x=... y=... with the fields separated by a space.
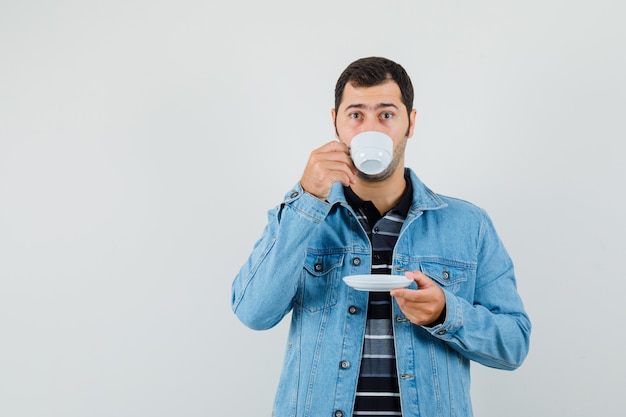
x=420 y=279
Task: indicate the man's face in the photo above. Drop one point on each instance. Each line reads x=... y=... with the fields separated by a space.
x=378 y=108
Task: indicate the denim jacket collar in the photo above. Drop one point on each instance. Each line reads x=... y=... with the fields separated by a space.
x=423 y=198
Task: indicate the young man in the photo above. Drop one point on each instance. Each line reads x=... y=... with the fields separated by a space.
x=404 y=352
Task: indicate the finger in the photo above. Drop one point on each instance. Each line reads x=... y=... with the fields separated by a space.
x=323 y=170
x=327 y=161
x=334 y=146
x=337 y=151
x=332 y=169
x=404 y=294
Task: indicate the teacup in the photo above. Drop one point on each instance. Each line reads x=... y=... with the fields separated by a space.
x=371 y=152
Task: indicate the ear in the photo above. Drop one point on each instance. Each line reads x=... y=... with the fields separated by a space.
x=412 y=117
x=333 y=116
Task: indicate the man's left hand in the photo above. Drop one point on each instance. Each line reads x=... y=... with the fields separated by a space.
x=424 y=306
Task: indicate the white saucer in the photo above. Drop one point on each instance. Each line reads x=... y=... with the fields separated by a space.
x=376 y=282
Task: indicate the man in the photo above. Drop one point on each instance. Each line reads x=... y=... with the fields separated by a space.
x=404 y=352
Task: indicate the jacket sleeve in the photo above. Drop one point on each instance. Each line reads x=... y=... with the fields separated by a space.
x=494 y=328
x=263 y=290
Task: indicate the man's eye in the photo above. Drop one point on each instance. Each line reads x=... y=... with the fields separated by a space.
x=386 y=115
x=355 y=115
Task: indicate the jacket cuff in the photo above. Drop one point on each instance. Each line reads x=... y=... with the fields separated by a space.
x=453 y=319
x=307 y=204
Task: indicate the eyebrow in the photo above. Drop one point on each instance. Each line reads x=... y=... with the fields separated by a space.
x=377 y=107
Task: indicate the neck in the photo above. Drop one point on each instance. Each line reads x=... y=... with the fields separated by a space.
x=383 y=194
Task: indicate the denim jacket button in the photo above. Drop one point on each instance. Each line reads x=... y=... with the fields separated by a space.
x=344 y=364
x=294 y=194
x=352 y=310
x=318 y=267
x=338 y=413
x=442 y=332
x=356 y=261
x=446 y=275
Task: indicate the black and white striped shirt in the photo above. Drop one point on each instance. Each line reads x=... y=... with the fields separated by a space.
x=377 y=389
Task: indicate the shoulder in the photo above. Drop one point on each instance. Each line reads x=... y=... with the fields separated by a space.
x=459 y=204
x=425 y=199
x=459 y=213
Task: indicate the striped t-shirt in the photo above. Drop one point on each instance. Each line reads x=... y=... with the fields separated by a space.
x=377 y=389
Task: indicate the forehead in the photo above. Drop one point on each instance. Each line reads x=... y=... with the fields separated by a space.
x=385 y=93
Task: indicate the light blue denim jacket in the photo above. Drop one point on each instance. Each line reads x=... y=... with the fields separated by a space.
x=297 y=266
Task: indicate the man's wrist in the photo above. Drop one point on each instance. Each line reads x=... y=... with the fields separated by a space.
x=440 y=320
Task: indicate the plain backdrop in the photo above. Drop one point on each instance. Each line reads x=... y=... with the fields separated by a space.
x=142 y=142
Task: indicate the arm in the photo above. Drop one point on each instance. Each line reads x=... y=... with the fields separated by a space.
x=493 y=328
x=263 y=290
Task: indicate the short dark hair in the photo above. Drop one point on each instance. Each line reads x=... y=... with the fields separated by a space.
x=371 y=71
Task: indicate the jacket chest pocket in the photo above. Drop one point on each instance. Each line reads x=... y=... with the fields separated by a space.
x=320 y=280
x=458 y=279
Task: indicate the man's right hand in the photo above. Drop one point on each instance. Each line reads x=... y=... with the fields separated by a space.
x=327 y=165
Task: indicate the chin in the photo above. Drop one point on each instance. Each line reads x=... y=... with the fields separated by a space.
x=382 y=176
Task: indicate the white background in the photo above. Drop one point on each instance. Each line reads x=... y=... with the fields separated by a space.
x=141 y=143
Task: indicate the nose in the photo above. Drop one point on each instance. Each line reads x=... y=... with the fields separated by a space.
x=370 y=125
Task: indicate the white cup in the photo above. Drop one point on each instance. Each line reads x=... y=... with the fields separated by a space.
x=371 y=152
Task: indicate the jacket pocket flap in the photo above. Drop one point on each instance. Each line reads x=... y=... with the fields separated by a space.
x=445 y=274
x=320 y=264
